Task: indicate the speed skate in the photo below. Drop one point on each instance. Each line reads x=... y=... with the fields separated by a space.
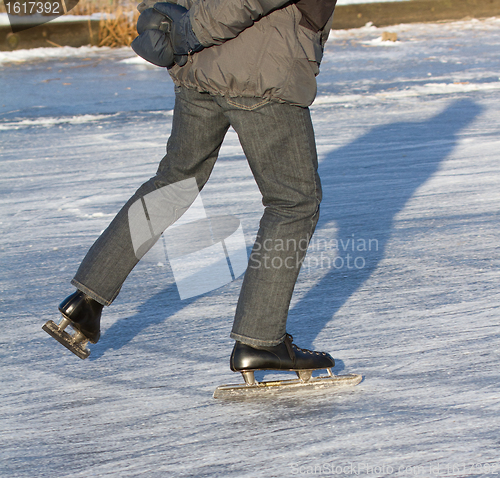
x=76 y=343
x=305 y=380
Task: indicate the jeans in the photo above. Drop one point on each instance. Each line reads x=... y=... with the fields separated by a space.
x=278 y=141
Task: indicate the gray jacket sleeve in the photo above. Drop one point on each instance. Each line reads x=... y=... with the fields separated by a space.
x=215 y=21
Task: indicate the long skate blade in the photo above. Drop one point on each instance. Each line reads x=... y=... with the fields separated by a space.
x=66 y=339
x=241 y=390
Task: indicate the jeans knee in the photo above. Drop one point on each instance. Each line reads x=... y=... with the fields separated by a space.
x=305 y=209
x=308 y=206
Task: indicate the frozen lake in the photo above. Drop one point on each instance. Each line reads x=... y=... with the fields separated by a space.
x=408 y=135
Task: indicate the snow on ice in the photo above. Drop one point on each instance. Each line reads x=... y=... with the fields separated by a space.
x=400 y=284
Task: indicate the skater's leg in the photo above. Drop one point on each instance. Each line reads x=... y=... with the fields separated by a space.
x=278 y=140
x=198 y=129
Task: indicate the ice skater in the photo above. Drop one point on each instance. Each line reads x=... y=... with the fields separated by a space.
x=249 y=64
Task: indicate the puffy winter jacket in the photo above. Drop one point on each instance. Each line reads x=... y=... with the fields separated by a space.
x=257 y=48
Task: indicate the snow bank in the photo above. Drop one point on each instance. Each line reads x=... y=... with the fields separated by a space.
x=38 y=18
x=49 y=121
x=410 y=92
x=20 y=56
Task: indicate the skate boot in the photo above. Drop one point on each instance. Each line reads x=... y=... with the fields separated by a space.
x=285 y=356
x=83 y=314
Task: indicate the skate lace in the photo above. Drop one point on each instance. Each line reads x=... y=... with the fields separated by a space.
x=290 y=344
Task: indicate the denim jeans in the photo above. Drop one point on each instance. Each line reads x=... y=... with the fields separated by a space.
x=278 y=141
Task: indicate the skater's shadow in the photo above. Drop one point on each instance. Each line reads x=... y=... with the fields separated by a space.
x=365 y=184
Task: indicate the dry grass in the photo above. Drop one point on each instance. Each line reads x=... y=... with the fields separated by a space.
x=87 y=7
x=117 y=24
x=118 y=29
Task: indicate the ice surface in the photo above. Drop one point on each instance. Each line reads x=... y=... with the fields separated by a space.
x=409 y=139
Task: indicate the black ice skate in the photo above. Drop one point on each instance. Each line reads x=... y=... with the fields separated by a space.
x=83 y=314
x=285 y=356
